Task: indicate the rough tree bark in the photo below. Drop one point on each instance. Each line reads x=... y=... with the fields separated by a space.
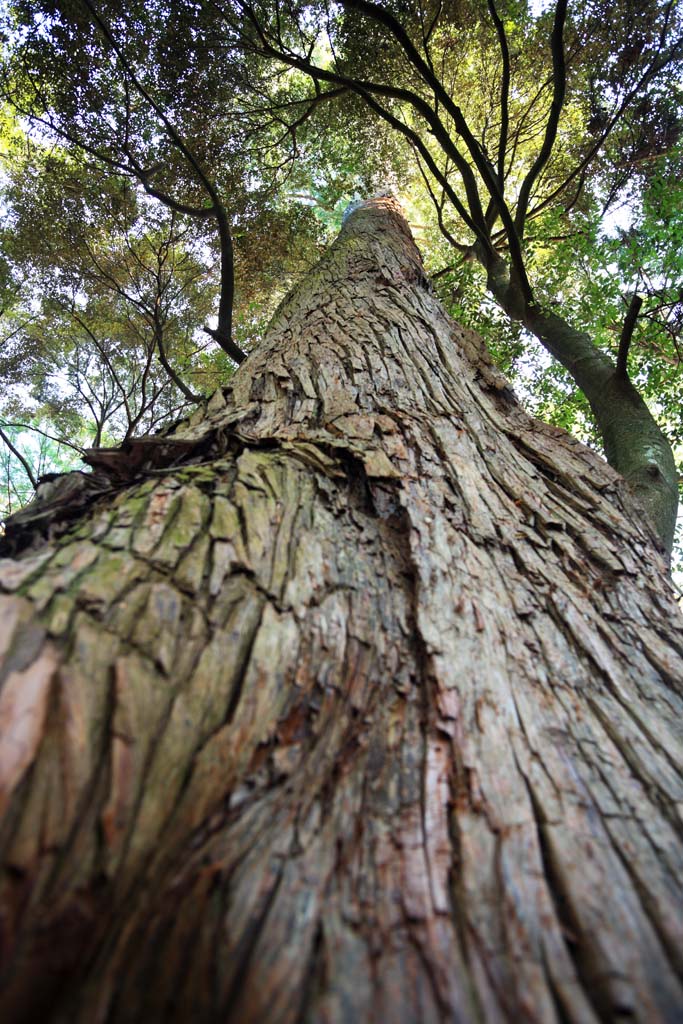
x=362 y=703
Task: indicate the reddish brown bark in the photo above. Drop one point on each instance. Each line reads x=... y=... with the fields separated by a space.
x=368 y=709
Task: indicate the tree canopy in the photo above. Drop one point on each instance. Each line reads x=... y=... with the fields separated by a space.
x=170 y=170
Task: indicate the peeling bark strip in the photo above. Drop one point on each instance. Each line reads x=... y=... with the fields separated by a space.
x=370 y=711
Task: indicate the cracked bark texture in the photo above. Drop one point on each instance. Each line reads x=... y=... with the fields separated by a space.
x=362 y=703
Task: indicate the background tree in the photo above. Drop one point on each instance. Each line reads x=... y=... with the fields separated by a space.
x=104 y=313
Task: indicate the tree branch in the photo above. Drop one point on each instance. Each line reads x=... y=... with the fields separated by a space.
x=43 y=433
x=20 y=457
x=657 y=64
x=504 y=90
x=627 y=334
x=559 y=87
x=363 y=87
x=486 y=170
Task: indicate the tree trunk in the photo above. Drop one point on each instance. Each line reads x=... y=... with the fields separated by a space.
x=362 y=704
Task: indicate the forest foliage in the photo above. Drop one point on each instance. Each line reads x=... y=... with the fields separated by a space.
x=168 y=171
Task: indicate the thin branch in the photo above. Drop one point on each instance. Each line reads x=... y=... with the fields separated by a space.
x=51 y=437
x=559 y=88
x=478 y=228
x=627 y=334
x=438 y=206
x=22 y=460
x=504 y=89
x=426 y=36
x=486 y=170
x=174 y=135
x=364 y=88
x=657 y=64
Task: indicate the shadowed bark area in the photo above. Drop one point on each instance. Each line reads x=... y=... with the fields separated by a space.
x=362 y=704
